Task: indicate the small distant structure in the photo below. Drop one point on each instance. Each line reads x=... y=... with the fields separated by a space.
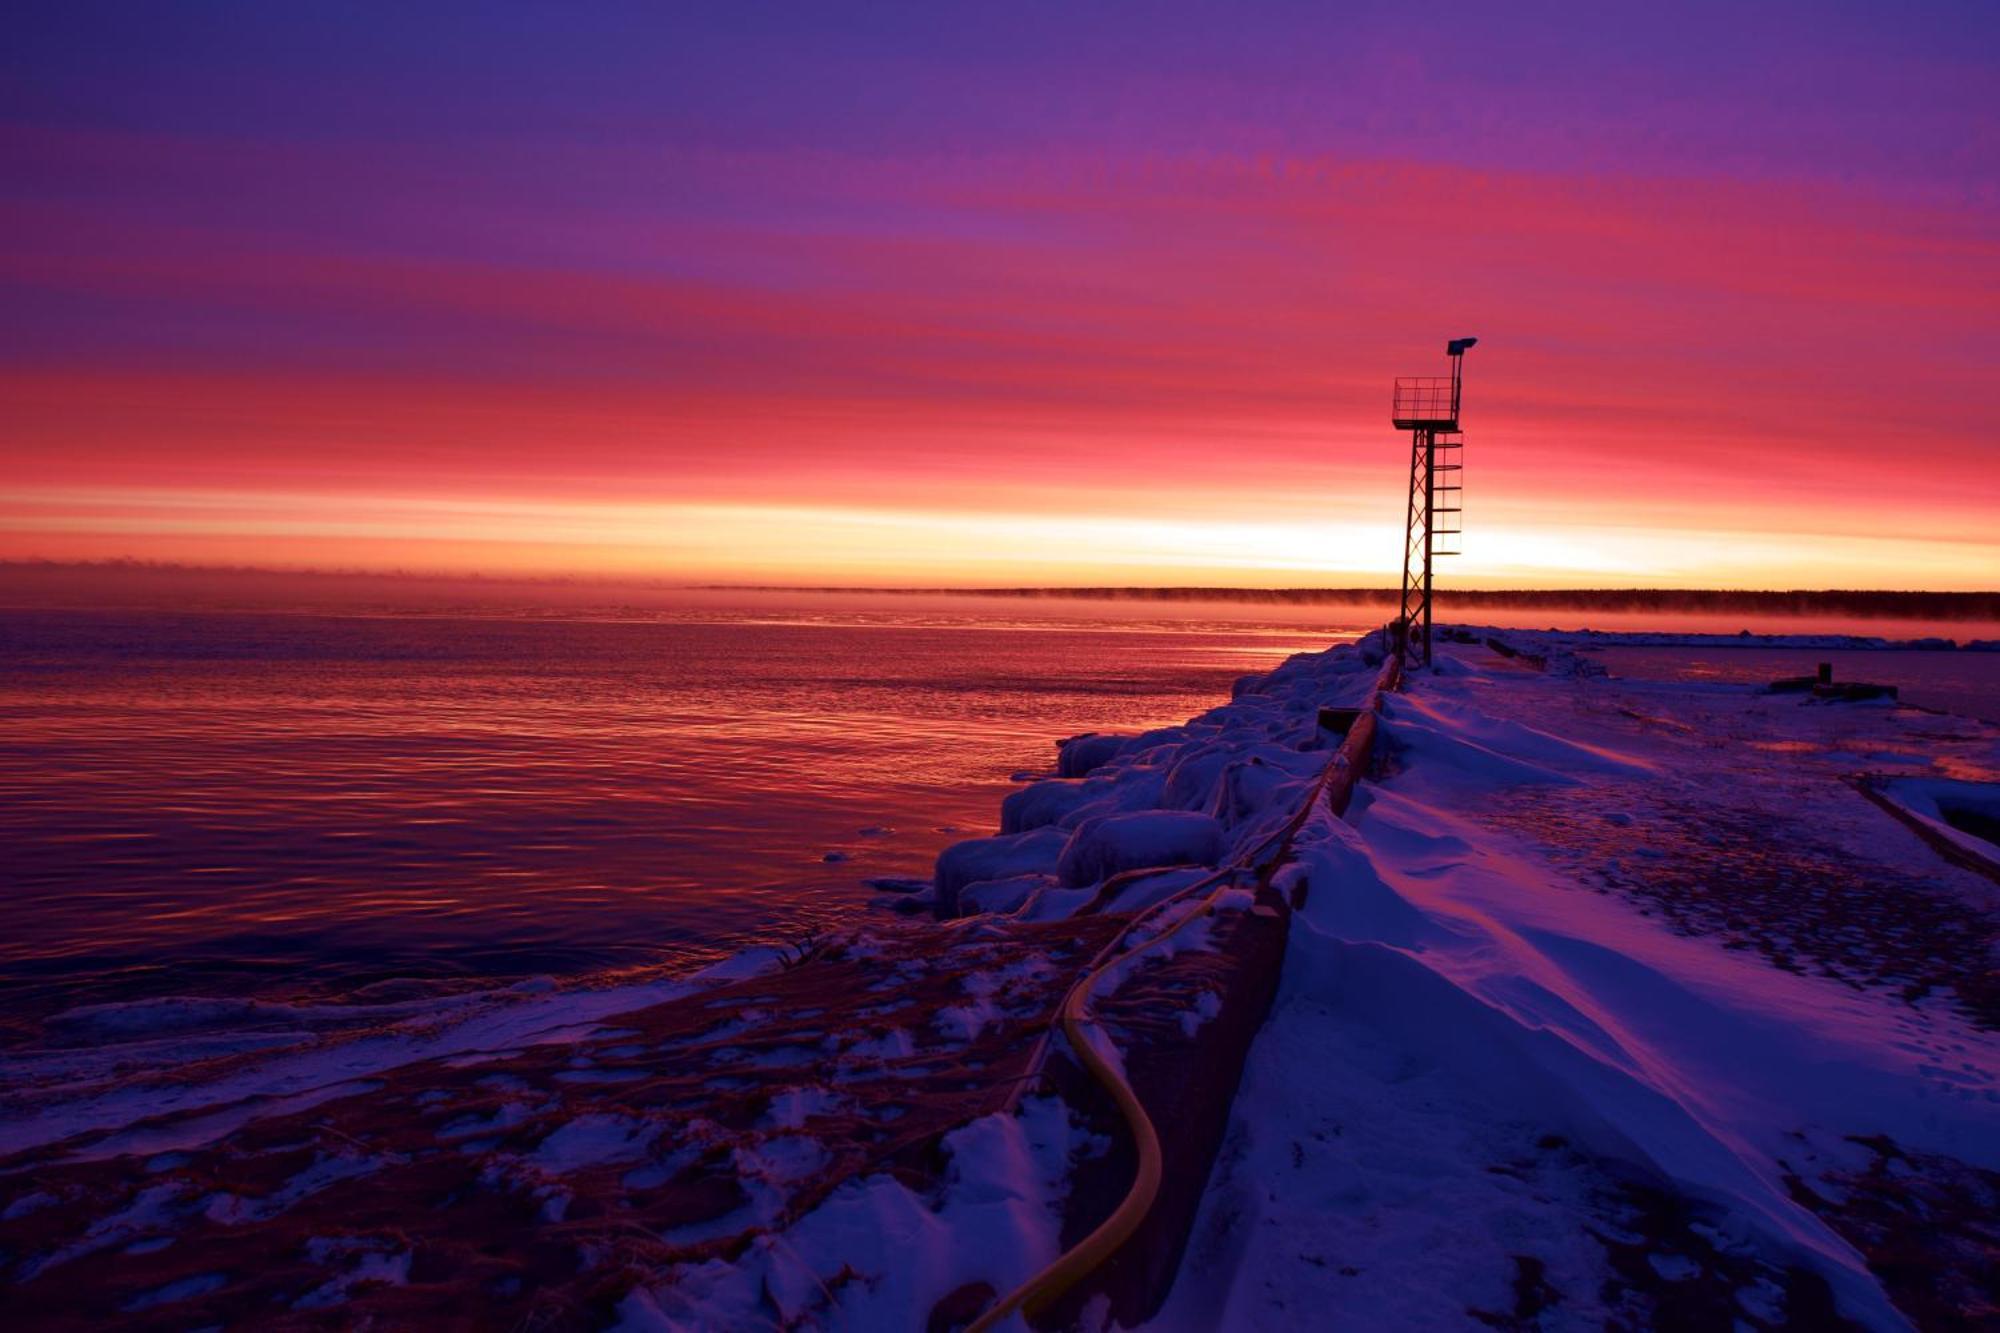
x=1822 y=685
x=1427 y=406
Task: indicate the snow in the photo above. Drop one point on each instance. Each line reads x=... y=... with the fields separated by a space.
x=1192 y=794
x=1002 y=896
x=155 y=1208
x=1929 y=799
x=1080 y=755
x=232 y=1210
x=372 y=1262
x=183 y=1290
x=1745 y=639
x=1040 y=804
x=781 y=1160
x=27 y=1203
x=502 y=1118
x=963 y=1022
x=59 y=1093
x=143 y=1137
x=181 y=1014
x=1449 y=1001
x=1358 y=1179
x=876 y=1254
x=989 y=991
x=791 y=1108
x=896 y=1044
x=1004 y=857
x=1478 y=1051
x=1140 y=840
x=593 y=1140
x=1206 y=1006
x=1140 y=892
x=1440 y=732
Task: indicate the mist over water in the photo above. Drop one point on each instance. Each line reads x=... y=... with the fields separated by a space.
x=1962 y=616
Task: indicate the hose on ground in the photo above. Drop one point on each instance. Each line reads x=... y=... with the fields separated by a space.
x=1048 y=1286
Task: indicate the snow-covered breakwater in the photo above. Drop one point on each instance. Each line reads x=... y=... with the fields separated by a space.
x=1628 y=964
x=1618 y=1002
x=1599 y=1009
x=1118 y=810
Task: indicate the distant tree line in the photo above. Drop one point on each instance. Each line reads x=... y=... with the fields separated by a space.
x=1909 y=604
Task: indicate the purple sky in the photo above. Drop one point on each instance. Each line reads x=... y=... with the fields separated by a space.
x=931 y=261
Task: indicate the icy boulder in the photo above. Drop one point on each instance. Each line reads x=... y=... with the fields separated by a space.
x=1081 y=755
x=1191 y=781
x=1142 y=889
x=1043 y=803
x=1250 y=786
x=1001 y=896
x=1004 y=857
x=1111 y=843
x=1067 y=802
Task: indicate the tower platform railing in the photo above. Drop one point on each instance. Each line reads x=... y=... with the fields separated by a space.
x=1425 y=402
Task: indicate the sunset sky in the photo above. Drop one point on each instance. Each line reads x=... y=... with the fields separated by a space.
x=935 y=294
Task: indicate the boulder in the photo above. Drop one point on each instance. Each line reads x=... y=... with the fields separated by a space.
x=1105 y=845
x=976 y=859
x=1080 y=755
x=1001 y=896
x=1042 y=803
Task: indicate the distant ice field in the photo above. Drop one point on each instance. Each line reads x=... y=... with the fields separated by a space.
x=1966 y=683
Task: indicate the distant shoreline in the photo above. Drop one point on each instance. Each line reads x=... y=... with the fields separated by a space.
x=1911 y=604
x=1895 y=604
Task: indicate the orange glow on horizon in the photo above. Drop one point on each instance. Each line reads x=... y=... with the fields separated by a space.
x=705 y=542
x=1169 y=375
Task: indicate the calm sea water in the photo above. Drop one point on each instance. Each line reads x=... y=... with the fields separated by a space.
x=305 y=805
x=285 y=805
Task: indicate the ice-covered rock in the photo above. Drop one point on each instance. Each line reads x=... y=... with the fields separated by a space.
x=1134 y=841
x=1001 y=896
x=1139 y=890
x=976 y=859
x=1042 y=803
x=1250 y=785
x=1128 y=786
x=1078 y=756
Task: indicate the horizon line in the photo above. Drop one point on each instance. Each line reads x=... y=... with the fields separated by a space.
x=1093 y=592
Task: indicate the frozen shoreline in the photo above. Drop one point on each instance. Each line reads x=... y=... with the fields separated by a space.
x=1590 y=638
x=1492 y=1027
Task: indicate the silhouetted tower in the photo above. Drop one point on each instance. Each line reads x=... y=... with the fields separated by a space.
x=1427 y=407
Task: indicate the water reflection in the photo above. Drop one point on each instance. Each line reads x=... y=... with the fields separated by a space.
x=290 y=803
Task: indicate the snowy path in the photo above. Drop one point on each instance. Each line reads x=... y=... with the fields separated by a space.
x=1584 y=1016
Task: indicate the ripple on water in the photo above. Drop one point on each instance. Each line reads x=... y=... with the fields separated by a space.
x=284 y=804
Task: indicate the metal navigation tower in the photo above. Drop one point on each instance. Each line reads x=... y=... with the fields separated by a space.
x=1427 y=407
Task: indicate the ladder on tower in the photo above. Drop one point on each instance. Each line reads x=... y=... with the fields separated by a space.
x=1448 y=494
